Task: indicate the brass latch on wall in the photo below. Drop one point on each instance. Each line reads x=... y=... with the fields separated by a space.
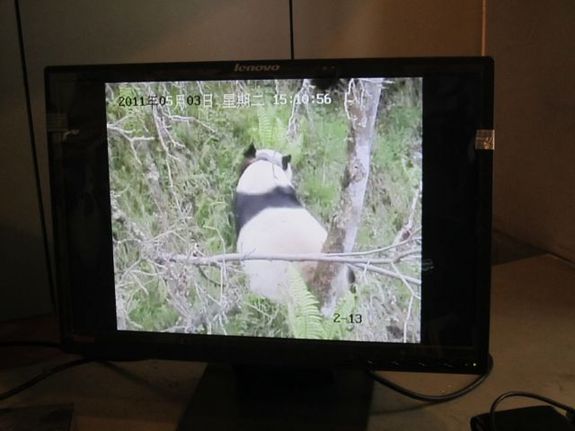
x=485 y=139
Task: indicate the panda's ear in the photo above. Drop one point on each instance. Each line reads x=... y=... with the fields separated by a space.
x=250 y=153
x=285 y=161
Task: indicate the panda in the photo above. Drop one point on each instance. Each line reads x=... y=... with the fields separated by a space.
x=270 y=220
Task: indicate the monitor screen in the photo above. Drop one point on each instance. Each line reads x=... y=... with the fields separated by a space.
x=295 y=210
x=188 y=224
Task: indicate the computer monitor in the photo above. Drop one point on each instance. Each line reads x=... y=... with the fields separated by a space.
x=306 y=212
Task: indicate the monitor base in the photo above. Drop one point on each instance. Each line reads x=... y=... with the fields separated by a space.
x=277 y=399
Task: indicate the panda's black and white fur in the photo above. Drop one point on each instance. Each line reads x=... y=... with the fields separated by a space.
x=271 y=220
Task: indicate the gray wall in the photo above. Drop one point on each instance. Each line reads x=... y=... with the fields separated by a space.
x=390 y=28
x=23 y=275
x=109 y=31
x=534 y=48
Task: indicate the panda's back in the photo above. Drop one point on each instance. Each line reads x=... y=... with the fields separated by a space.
x=247 y=205
x=281 y=230
x=270 y=220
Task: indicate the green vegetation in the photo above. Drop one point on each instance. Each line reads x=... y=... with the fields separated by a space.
x=173 y=171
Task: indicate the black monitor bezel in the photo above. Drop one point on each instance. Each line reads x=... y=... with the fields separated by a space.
x=391 y=356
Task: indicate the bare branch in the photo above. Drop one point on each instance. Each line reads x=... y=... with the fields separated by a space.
x=182 y=118
x=126 y=134
x=382 y=271
x=399 y=256
x=293 y=122
x=406 y=231
x=405 y=282
x=406 y=321
x=365 y=264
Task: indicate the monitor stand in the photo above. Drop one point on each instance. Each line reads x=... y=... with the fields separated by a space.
x=237 y=398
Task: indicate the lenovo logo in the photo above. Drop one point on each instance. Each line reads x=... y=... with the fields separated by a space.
x=257 y=68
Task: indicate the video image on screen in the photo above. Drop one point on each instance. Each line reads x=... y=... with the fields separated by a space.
x=287 y=208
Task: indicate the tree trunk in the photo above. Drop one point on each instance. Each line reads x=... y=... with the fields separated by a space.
x=362 y=101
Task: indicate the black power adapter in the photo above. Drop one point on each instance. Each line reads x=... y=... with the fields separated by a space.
x=539 y=418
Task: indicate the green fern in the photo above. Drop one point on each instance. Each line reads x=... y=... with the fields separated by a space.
x=303 y=315
x=269 y=130
x=340 y=330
